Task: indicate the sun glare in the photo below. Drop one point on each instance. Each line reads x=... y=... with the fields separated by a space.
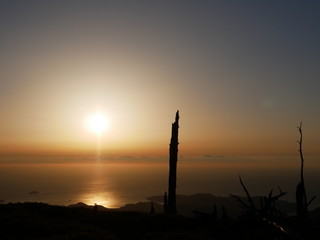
x=99 y=198
x=97 y=123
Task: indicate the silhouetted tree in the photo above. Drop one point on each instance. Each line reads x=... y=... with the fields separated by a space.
x=95 y=208
x=267 y=204
x=301 y=194
x=165 y=203
x=215 y=212
x=224 y=216
x=152 y=208
x=173 y=151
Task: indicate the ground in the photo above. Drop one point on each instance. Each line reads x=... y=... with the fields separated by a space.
x=41 y=221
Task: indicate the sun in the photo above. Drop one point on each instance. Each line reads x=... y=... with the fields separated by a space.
x=97 y=123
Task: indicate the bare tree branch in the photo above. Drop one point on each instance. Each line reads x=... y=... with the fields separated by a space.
x=247 y=193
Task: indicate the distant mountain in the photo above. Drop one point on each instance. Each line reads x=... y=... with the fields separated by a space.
x=83 y=205
x=200 y=202
x=204 y=202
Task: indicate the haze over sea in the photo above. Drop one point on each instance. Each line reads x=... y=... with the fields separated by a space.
x=115 y=182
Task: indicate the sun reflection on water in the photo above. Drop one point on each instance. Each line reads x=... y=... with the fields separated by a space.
x=101 y=198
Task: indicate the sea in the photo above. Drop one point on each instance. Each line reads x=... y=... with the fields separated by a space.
x=116 y=182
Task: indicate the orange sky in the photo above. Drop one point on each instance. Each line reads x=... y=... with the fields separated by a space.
x=242 y=83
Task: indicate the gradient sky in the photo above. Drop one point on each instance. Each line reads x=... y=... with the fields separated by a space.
x=242 y=73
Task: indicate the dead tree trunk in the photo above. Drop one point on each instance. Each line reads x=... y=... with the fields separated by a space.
x=173 y=150
x=301 y=194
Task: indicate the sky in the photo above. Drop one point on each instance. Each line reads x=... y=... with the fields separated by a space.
x=243 y=74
